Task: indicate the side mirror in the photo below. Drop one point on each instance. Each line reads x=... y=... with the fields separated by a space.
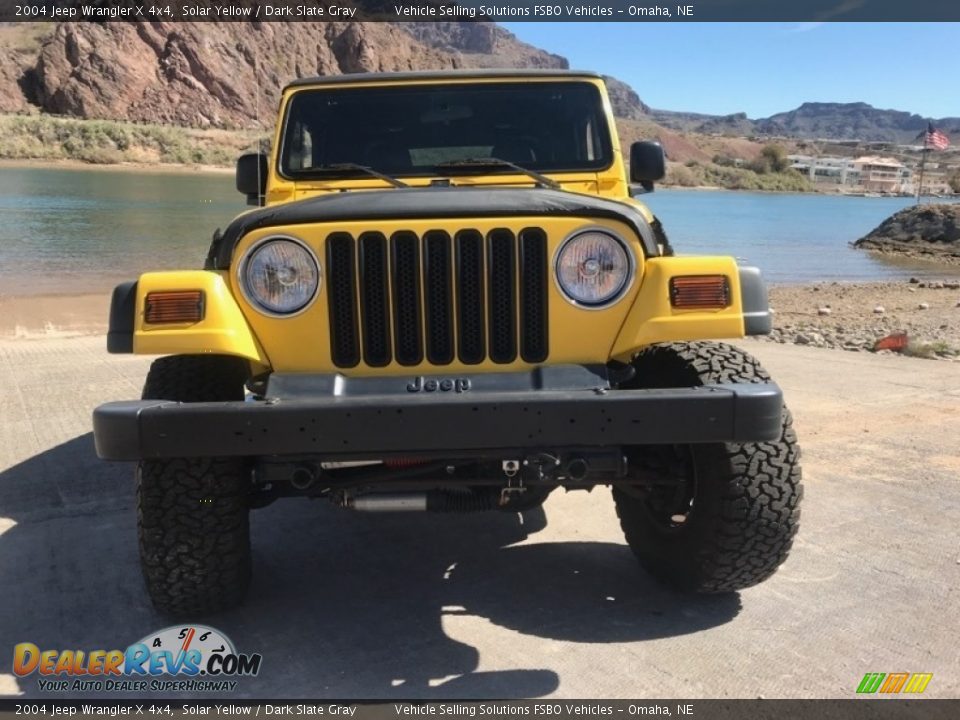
x=647 y=163
x=252 y=177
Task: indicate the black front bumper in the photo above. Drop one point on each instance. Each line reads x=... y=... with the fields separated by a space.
x=370 y=425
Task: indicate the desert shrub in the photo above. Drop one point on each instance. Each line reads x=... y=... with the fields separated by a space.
x=46 y=137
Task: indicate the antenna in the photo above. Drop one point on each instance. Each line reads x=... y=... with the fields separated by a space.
x=256 y=118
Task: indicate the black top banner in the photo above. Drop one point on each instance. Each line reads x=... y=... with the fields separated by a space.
x=478 y=10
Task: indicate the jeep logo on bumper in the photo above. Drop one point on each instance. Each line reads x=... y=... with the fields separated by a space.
x=422 y=384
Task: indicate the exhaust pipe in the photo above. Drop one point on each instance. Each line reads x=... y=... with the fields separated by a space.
x=577 y=469
x=383 y=502
x=433 y=500
x=303 y=477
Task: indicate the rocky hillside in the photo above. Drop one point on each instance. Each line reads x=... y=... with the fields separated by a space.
x=200 y=75
x=813 y=120
x=858 y=121
x=19 y=48
x=216 y=74
x=211 y=77
x=481 y=45
x=929 y=232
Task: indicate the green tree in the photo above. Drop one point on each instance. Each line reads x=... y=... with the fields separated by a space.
x=773 y=159
x=776 y=156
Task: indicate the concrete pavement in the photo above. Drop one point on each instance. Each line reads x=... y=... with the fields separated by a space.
x=351 y=606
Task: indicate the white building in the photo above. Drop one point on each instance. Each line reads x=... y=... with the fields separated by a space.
x=827 y=169
x=884 y=175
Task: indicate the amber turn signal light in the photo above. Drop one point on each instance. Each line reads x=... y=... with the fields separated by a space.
x=174 y=307
x=700 y=292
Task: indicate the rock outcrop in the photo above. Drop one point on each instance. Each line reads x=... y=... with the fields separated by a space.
x=207 y=74
x=229 y=74
x=929 y=232
x=482 y=45
x=625 y=101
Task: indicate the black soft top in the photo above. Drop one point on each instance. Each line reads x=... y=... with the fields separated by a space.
x=439 y=75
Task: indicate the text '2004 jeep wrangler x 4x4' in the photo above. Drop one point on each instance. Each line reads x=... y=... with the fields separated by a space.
x=450 y=301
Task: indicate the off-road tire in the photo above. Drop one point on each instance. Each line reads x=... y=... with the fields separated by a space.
x=196 y=378
x=746 y=496
x=192 y=513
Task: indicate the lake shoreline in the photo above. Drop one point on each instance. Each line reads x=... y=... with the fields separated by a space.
x=132 y=167
x=190 y=169
x=821 y=314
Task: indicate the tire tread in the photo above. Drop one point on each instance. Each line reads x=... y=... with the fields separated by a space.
x=758 y=508
x=192 y=513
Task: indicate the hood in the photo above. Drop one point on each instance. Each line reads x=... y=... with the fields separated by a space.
x=428 y=203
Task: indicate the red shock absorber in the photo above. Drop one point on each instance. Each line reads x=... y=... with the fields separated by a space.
x=401 y=463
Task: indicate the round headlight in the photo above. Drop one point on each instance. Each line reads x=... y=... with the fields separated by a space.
x=593 y=268
x=281 y=276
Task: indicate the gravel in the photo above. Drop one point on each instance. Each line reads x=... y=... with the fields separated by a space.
x=855 y=316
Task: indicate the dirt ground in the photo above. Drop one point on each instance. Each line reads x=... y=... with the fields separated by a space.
x=846 y=315
x=484 y=606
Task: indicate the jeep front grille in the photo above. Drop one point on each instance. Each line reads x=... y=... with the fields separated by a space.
x=436 y=297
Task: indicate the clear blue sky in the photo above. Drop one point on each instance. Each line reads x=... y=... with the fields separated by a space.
x=762 y=68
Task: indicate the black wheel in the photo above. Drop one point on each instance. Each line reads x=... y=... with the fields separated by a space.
x=713 y=517
x=192 y=513
x=196 y=378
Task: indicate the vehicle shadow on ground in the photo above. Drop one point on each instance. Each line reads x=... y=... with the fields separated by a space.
x=343 y=605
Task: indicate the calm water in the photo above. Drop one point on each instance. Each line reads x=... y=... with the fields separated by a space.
x=68 y=231
x=76 y=230
x=792 y=238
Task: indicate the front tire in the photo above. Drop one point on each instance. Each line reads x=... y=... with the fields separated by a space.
x=192 y=513
x=726 y=514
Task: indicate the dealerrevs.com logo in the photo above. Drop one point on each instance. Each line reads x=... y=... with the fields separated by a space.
x=196 y=657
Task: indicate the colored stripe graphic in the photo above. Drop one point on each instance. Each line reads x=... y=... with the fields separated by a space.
x=871 y=682
x=894 y=682
x=918 y=682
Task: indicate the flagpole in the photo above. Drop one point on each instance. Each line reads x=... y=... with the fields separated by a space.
x=923 y=162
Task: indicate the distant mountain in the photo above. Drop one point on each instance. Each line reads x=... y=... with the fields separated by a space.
x=736 y=124
x=215 y=74
x=815 y=120
x=852 y=121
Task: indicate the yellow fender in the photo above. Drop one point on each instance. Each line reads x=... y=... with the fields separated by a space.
x=652 y=319
x=222 y=331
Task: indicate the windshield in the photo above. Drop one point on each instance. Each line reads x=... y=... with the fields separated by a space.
x=409 y=130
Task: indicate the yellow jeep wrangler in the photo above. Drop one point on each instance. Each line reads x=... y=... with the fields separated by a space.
x=450 y=300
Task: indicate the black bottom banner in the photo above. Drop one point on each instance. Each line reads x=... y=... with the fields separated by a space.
x=854 y=709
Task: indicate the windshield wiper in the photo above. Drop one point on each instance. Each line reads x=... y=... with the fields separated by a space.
x=542 y=180
x=339 y=167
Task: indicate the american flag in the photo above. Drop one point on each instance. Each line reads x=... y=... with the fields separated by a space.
x=935 y=139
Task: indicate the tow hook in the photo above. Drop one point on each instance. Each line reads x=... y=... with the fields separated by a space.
x=510 y=490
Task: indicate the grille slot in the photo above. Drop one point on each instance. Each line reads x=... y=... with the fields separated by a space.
x=342 y=284
x=534 y=316
x=438 y=297
x=408 y=341
x=502 y=302
x=471 y=333
x=374 y=294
